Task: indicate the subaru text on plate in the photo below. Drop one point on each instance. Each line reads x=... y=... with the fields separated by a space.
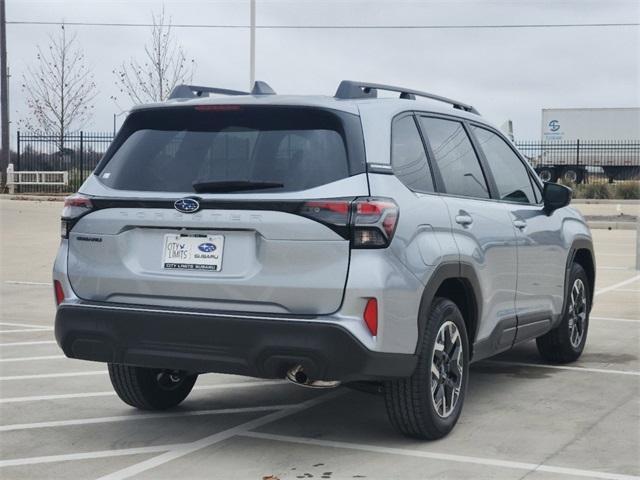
x=348 y=239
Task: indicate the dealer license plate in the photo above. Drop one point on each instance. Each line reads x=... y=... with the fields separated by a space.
x=193 y=252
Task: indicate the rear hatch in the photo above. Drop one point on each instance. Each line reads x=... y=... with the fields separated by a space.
x=222 y=207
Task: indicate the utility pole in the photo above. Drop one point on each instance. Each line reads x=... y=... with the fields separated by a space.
x=4 y=98
x=252 y=46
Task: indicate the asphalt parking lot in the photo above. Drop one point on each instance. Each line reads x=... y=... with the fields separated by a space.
x=522 y=419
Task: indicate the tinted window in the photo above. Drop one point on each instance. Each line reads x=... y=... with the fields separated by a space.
x=408 y=156
x=171 y=149
x=456 y=159
x=510 y=174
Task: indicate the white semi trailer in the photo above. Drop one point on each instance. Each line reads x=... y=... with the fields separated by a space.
x=578 y=140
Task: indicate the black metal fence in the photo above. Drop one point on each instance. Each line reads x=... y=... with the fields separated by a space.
x=584 y=161
x=76 y=153
x=571 y=162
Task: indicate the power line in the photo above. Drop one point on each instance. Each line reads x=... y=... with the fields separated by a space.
x=335 y=27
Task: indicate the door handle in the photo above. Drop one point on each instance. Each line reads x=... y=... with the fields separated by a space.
x=519 y=224
x=464 y=219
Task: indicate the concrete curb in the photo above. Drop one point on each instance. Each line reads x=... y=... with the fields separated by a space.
x=593 y=201
x=33 y=198
x=600 y=225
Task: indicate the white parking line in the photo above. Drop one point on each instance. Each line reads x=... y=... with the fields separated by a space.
x=21 y=282
x=531 y=467
x=24 y=330
x=19 y=344
x=110 y=393
x=612 y=319
x=564 y=367
x=53 y=375
x=29 y=359
x=85 y=456
x=132 y=418
x=24 y=325
x=617 y=285
x=188 y=448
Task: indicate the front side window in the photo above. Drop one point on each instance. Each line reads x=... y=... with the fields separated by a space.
x=511 y=176
x=408 y=157
x=457 y=161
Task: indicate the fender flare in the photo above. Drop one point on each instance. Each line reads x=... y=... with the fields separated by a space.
x=582 y=243
x=450 y=271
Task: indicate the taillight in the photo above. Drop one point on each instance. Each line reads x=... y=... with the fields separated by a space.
x=374 y=222
x=369 y=222
x=75 y=207
x=370 y=316
x=58 y=291
x=335 y=213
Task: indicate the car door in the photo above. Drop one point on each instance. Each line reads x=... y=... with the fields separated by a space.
x=540 y=247
x=481 y=227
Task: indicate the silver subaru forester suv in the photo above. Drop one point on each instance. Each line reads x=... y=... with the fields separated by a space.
x=374 y=242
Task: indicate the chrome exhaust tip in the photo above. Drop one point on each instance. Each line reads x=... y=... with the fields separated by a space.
x=298 y=376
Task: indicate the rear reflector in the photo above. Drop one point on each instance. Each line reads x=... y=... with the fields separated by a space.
x=371 y=316
x=59 y=292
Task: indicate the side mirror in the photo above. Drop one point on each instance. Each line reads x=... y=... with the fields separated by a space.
x=555 y=196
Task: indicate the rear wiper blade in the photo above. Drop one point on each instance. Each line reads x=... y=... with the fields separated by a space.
x=233 y=186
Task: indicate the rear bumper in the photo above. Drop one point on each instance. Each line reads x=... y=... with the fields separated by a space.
x=207 y=342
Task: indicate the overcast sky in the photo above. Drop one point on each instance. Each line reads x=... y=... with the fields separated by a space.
x=505 y=73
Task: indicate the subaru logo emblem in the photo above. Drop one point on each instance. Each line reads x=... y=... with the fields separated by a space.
x=206 y=247
x=187 y=205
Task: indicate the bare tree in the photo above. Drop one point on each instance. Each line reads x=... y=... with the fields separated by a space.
x=59 y=89
x=165 y=65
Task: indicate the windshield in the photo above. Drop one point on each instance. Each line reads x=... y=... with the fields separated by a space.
x=263 y=148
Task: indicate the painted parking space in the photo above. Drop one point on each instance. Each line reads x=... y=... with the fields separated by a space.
x=59 y=418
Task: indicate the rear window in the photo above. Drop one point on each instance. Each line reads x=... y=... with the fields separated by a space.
x=265 y=149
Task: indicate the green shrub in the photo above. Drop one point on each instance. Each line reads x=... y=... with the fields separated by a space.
x=578 y=190
x=597 y=191
x=628 y=190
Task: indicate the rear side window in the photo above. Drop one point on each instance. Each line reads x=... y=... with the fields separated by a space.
x=408 y=157
x=457 y=161
x=233 y=149
x=511 y=176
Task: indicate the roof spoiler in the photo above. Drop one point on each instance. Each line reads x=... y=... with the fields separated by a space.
x=349 y=89
x=194 y=91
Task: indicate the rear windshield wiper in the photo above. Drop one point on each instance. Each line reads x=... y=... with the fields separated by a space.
x=233 y=186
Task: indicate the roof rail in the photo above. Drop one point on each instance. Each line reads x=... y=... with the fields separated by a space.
x=194 y=91
x=351 y=89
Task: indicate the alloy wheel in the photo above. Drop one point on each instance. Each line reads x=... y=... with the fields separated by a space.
x=446 y=369
x=577 y=313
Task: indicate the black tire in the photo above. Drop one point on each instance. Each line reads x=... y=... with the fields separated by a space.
x=150 y=388
x=572 y=175
x=410 y=405
x=561 y=345
x=547 y=174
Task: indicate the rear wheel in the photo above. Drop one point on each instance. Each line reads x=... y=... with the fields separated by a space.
x=547 y=174
x=565 y=343
x=572 y=175
x=150 y=388
x=427 y=404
